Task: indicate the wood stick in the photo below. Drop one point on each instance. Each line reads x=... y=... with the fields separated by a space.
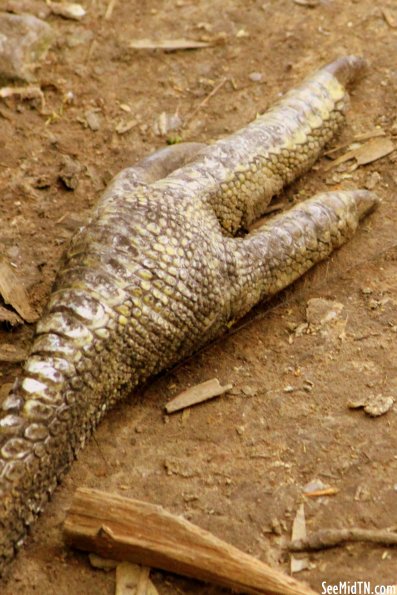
x=125 y=529
x=326 y=538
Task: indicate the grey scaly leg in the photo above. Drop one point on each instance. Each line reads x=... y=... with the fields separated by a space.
x=152 y=277
x=154 y=167
x=238 y=176
x=280 y=251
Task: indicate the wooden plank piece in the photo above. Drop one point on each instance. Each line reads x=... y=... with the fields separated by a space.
x=125 y=529
x=197 y=394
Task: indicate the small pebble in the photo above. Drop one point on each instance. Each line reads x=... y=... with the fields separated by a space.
x=374 y=304
x=320 y=311
x=372 y=180
x=255 y=77
x=248 y=391
x=70 y=172
x=378 y=405
x=276 y=526
x=93 y=120
x=67 y=10
x=314 y=486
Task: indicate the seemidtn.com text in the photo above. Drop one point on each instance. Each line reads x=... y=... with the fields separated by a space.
x=357 y=588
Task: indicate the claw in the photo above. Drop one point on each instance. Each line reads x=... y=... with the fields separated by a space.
x=347 y=69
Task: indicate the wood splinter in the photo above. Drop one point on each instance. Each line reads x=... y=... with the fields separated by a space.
x=125 y=529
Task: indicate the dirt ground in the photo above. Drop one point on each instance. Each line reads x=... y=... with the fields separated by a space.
x=237 y=465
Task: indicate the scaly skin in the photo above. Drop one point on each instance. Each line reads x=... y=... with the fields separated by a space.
x=155 y=274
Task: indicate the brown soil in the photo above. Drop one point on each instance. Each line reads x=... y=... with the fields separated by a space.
x=237 y=465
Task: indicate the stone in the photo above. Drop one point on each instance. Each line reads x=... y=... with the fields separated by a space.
x=70 y=172
x=255 y=77
x=36 y=8
x=24 y=41
x=93 y=120
x=320 y=311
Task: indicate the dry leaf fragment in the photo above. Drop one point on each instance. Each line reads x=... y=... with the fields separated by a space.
x=123 y=127
x=308 y=3
x=197 y=394
x=299 y=524
x=169 y=45
x=13 y=293
x=358 y=138
x=299 y=533
x=125 y=107
x=389 y=18
x=374 y=149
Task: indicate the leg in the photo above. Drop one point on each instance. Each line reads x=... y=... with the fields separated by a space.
x=280 y=251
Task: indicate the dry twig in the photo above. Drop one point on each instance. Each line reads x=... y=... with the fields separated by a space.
x=327 y=538
x=206 y=100
x=109 y=10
